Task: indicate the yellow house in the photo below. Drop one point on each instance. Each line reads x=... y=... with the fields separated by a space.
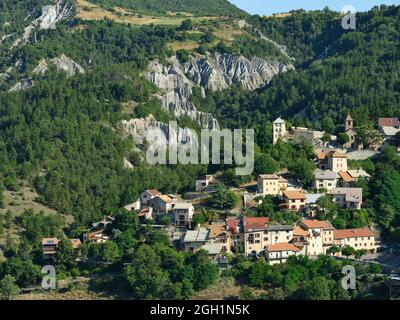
x=359 y=239
x=271 y=184
x=294 y=200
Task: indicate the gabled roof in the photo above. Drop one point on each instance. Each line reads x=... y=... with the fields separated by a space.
x=165 y=198
x=349 y=118
x=353 y=233
x=232 y=224
x=294 y=195
x=325 y=175
x=216 y=229
x=300 y=232
x=277 y=247
x=346 y=177
x=251 y=224
x=352 y=194
x=279 y=121
x=183 y=205
x=317 y=224
x=388 y=122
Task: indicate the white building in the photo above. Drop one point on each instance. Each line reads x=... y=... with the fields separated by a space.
x=326 y=179
x=280 y=252
x=348 y=198
x=183 y=213
x=279 y=130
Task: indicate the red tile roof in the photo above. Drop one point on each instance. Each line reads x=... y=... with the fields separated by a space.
x=232 y=224
x=389 y=122
x=282 y=247
x=353 y=233
x=253 y=224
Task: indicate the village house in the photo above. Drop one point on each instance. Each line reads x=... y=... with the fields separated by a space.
x=271 y=184
x=133 y=206
x=280 y=252
x=319 y=236
x=218 y=234
x=194 y=240
x=348 y=198
x=326 y=179
x=203 y=183
x=161 y=204
x=346 y=180
x=389 y=127
x=145 y=214
x=183 y=213
x=332 y=160
x=278 y=234
x=337 y=161
x=293 y=200
x=249 y=233
x=359 y=239
x=49 y=246
x=148 y=195
x=359 y=174
x=98 y=236
x=279 y=130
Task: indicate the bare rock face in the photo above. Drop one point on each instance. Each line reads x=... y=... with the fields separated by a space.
x=51 y=15
x=138 y=129
x=213 y=72
x=62 y=63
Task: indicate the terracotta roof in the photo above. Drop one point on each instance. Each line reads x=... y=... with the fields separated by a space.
x=312 y=224
x=389 y=122
x=282 y=247
x=299 y=231
x=353 y=233
x=232 y=224
x=321 y=155
x=154 y=192
x=253 y=224
x=294 y=195
x=346 y=177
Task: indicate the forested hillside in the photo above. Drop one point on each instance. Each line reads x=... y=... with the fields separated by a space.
x=337 y=72
x=196 y=7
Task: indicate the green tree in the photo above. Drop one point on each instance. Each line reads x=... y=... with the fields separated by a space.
x=109 y=251
x=8 y=288
x=223 y=198
x=348 y=251
x=65 y=256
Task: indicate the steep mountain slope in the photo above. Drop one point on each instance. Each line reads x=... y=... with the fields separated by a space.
x=197 y=7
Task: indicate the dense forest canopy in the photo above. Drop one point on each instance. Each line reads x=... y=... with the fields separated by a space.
x=196 y=7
